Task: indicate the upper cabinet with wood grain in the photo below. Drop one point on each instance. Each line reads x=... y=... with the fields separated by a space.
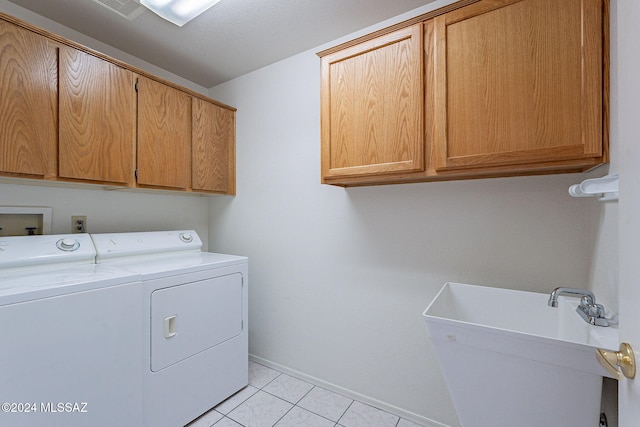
x=213 y=156
x=68 y=113
x=510 y=87
x=164 y=135
x=97 y=119
x=519 y=82
x=372 y=108
x=28 y=103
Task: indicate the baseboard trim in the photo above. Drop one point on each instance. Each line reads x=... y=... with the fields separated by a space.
x=419 y=419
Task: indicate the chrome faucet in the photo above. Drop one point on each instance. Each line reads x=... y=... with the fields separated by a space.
x=587 y=309
x=553 y=298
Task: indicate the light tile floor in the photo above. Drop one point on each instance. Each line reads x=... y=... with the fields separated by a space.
x=274 y=399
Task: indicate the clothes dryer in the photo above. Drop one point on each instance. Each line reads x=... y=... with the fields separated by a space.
x=195 y=351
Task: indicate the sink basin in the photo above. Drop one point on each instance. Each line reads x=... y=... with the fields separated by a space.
x=510 y=359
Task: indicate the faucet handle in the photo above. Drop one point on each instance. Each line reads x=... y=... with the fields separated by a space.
x=593 y=309
x=587 y=301
x=597 y=310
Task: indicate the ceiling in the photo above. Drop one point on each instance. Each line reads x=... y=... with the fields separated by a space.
x=230 y=39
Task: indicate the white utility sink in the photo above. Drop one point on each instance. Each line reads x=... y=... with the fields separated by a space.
x=511 y=360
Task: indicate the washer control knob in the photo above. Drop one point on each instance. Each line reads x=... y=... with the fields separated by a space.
x=186 y=237
x=68 y=244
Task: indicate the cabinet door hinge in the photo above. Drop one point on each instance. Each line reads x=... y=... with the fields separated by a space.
x=136 y=85
x=135 y=173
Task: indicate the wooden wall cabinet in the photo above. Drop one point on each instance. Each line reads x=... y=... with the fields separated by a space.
x=97 y=119
x=68 y=113
x=519 y=82
x=164 y=136
x=372 y=108
x=28 y=103
x=213 y=149
x=184 y=142
x=511 y=87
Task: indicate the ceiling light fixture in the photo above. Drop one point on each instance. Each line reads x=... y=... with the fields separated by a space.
x=178 y=12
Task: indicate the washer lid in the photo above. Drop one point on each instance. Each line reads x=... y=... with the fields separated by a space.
x=34 y=283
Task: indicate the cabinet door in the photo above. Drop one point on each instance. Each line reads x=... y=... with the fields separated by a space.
x=372 y=107
x=97 y=119
x=28 y=103
x=213 y=149
x=519 y=82
x=164 y=135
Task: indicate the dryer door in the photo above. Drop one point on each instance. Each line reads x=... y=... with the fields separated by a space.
x=193 y=317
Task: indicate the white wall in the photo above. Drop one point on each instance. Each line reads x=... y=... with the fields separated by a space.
x=112 y=211
x=339 y=277
x=107 y=211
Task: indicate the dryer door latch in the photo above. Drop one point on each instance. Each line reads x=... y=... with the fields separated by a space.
x=169 y=326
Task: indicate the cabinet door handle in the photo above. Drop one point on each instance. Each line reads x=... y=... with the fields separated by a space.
x=169 y=326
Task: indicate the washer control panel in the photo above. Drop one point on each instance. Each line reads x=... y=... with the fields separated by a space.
x=21 y=251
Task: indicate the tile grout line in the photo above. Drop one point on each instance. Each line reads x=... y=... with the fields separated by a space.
x=283 y=415
x=381 y=406
x=345 y=411
x=262 y=389
x=295 y=404
x=235 y=407
x=310 y=411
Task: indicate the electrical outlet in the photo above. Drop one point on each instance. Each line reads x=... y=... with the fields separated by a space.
x=79 y=224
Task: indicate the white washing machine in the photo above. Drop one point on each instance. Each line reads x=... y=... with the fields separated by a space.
x=70 y=352
x=195 y=351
